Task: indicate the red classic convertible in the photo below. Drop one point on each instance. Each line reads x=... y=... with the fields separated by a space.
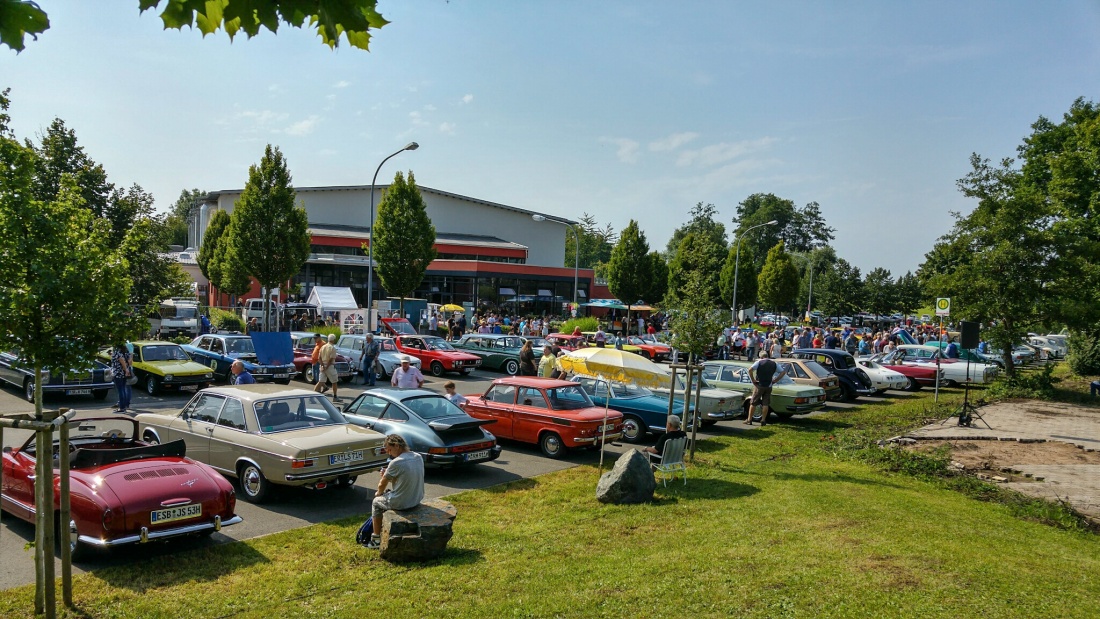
x=437 y=354
x=123 y=491
x=554 y=414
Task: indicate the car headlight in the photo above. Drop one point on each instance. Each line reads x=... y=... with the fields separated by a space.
x=108 y=374
x=168 y=377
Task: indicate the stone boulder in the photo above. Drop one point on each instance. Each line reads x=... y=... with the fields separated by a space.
x=417 y=534
x=630 y=481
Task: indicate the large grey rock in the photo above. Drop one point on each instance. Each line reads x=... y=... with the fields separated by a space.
x=417 y=534
x=629 y=481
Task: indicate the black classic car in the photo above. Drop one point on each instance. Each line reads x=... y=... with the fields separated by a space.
x=854 y=382
x=96 y=381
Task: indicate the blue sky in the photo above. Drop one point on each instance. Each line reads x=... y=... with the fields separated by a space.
x=621 y=109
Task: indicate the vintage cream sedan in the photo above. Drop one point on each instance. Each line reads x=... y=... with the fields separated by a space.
x=270 y=434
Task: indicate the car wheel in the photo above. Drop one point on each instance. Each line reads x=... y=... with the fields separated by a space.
x=437 y=368
x=78 y=551
x=254 y=486
x=308 y=373
x=551 y=445
x=150 y=437
x=647 y=355
x=100 y=394
x=380 y=371
x=152 y=385
x=847 y=394
x=912 y=385
x=28 y=390
x=511 y=368
x=633 y=429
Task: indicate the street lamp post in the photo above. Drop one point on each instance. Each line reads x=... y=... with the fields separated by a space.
x=577 y=246
x=370 y=246
x=737 y=265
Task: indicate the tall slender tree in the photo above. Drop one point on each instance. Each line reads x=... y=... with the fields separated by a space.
x=658 y=286
x=778 y=279
x=744 y=269
x=697 y=252
x=404 y=238
x=879 y=292
x=268 y=231
x=630 y=270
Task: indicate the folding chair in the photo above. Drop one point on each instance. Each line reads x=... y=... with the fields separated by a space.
x=670 y=461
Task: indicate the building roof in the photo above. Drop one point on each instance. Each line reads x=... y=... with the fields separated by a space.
x=213 y=197
x=448 y=238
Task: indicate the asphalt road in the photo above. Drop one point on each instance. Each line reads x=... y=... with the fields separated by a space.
x=291 y=507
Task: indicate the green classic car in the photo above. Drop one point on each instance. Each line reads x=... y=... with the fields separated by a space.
x=165 y=365
x=497 y=352
x=788 y=397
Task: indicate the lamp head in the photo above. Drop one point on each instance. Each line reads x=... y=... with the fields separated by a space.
x=772 y=222
x=412 y=146
x=538 y=217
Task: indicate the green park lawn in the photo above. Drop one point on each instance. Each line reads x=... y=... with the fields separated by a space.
x=801 y=519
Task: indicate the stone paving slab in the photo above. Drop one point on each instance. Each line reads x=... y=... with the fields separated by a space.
x=1035 y=421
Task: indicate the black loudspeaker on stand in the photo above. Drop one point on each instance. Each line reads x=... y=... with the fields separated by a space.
x=969 y=338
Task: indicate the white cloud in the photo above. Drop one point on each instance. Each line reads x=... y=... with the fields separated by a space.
x=672 y=142
x=417 y=119
x=722 y=152
x=448 y=128
x=264 y=117
x=303 y=127
x=274 y=88
x=429 y=108
x=628 y=149
x=467 y=98
x=341 y=84
x=331 y=97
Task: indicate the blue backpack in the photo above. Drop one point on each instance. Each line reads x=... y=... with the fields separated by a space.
x=362 y=537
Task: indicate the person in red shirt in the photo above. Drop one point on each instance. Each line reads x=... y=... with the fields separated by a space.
x=650 y=330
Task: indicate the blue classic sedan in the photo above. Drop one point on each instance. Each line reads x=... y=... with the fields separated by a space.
x=643 y=411
x=218 y=351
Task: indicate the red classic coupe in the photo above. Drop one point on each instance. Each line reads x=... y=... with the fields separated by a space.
x=918 y=374
x=122 y=490
x=436 y=354
x=554 y=414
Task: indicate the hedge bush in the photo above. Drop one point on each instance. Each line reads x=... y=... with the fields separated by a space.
x=588 y=323
x=1084 y=353
x=225 y=320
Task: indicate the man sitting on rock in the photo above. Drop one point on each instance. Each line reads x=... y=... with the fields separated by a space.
x=672 y=431
x=406 y=474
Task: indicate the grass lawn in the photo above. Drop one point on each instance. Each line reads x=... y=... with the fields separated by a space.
x=787 y=521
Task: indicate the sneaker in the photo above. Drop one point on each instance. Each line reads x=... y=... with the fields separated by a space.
x=375 y=542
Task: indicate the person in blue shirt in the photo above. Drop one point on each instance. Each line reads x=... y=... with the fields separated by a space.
x=952 y=350
x=241 y=375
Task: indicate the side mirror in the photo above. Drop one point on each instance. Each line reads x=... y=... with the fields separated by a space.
x=7 y=450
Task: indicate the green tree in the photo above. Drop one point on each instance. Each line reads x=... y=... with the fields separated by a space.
x=697 y=252
x=268 y=231
x=208 y=257
x=702 y=222
x=801 y=230
x=658 y=284
x=405 y=238
x=745 y=271
x=126 y=208
x=351 y=18
x=630 y=270
x=879 y=292
x=154 y=276
x=695 y=322
x=176 y=221
x=907 y=293
x=838 y=289
x=596 y=243
x=58 y=154
x=778 y=281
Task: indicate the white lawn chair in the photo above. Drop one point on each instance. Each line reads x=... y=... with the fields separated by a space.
x=671 y=461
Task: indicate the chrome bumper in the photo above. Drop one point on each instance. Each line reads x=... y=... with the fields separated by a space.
x=334 y=473
x=147 y=535
x=596 y=439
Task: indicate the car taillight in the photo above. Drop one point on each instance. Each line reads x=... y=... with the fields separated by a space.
x=801 y=400
x=108 y=519
x=301 y=464
x=231 y=500
x=437 y=450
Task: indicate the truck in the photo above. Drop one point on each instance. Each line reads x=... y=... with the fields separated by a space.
x=179 y=316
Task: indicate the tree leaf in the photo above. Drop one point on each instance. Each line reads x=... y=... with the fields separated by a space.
x=19 y=18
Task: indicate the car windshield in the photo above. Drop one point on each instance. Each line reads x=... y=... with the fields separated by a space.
x=385 y=345
x=163 y=353
x=696 y=380
x=537 y=342
x=437 y=343
x=568 y=398
x=429 y=407
x=240 y=345
x=627 y=390
x=291 y=413
x=101 y=428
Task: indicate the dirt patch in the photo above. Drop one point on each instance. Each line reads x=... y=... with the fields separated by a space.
x=994 y=456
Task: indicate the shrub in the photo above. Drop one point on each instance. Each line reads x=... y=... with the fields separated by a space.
x=1039 y=384
x=1084 y=353
x=225 y=321
x=587 y=323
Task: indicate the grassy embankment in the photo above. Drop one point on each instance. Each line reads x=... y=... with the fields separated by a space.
x=806 y=519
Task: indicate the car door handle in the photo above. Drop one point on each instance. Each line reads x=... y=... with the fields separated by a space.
x=32 y=477
x=210 y=429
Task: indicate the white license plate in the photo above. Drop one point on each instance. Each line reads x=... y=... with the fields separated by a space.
x=175 y=513
x=189 y=387
x=281 y=375
x=346 y=458
x=606 y=428
x=78 y=392
x=476 y=455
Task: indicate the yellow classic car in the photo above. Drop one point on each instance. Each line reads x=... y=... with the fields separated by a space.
x=270 y=434
x=164 y=365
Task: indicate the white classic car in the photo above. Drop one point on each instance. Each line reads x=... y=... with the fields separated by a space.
x=882 y=377
x=714 y=404
x=955 y=371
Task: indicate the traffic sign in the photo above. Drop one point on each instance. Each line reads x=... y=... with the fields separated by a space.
x=943 y=306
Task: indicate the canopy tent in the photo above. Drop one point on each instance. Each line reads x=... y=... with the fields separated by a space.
x=616 y=304
x=331 y=299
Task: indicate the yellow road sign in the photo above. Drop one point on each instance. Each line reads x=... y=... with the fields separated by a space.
x=943 y=306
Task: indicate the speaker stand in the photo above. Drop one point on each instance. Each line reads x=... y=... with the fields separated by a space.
x=967 y=413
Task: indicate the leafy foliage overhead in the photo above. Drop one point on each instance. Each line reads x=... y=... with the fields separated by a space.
x=353 y=19
x=596 y=243
x=702 y=222
x=801 y=230
x=778 y=280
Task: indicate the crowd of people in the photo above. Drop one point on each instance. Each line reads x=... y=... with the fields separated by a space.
x=749 y=343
